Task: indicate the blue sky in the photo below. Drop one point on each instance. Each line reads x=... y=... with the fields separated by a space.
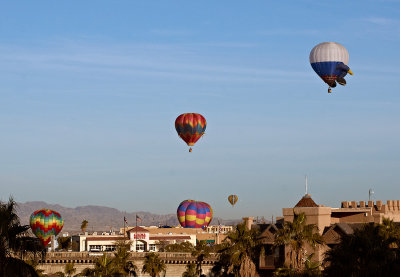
x=90 y=91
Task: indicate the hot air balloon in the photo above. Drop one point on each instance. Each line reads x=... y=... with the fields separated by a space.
x=190 y=127
x=232 y=199
x=194 y=214
x=46 y=223
x=329 y=60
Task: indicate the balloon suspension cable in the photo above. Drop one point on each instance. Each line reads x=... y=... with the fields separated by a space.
x=190 y=149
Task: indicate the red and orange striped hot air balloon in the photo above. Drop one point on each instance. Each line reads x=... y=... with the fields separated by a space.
x=190 y=127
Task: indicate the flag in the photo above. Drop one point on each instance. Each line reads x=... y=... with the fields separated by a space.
x=126 y=221
x=138 y=218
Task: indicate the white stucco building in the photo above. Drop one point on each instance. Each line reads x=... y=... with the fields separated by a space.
x=141 y=240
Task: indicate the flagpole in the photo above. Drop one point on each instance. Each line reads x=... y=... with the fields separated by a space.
x=136 y=235
x=124 y=227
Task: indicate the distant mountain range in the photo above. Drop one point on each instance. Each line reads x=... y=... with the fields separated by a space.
x=102 y=218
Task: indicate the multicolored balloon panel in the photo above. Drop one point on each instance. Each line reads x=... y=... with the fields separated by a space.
x=324 y=59
x=46 y=223
x=194 y=214
x=232 y=199
x=190 y=127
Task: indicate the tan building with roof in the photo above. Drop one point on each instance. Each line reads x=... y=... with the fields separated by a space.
x=332 y=224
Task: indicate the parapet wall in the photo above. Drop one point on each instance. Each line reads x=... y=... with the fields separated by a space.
x=391 y=205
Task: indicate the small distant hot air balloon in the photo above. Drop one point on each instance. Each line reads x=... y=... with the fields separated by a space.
x=190 y=127
x=46 y=223
x=232 y=199
x=194 y=214
x=329 y=60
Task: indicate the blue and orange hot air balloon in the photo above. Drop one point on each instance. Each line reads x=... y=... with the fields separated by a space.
x=329 y=60
x=190 y=127
x=194 y=214
x=46 y=223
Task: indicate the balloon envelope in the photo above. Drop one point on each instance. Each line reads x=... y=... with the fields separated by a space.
x=325 y=57
x=190 y=127
x=46 y=223
x=194 y=214
x=232 y=199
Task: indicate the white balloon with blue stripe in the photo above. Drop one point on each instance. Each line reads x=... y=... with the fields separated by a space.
x=324 y=59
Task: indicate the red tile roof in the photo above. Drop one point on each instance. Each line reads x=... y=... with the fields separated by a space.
x=168 y=237
x=139 y=229
x=105 y=238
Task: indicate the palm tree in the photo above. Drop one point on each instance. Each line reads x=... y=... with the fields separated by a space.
x=153 y=265
x=201 y=252
x=84 y=225
x=366 y=252
x=105 y=267
x=69 y=269
x=296 y=235
x=88 y=272
x=190 y=270
x=15 y=242
x=239 y=253
x=121 y=256
x=35 y=264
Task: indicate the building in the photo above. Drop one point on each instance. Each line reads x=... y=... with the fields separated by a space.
x=213 y=234
x=149 y=238
x=332 y=224
x=143 y=240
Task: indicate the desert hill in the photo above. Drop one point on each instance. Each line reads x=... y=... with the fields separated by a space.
x=102 y=218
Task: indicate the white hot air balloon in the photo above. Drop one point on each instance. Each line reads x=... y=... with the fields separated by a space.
x=330 y=61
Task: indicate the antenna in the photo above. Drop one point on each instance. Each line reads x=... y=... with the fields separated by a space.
x=370 y=192
x=306 y=185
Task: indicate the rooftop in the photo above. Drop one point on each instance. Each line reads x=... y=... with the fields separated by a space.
x=306 y=202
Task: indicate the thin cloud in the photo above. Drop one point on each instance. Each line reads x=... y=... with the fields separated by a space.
x=164 y=62
x=382 y=21
x=168 y=32
x=288 y=32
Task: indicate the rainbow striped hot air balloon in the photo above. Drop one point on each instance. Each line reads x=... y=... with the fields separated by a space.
x=190 y=127
x=328 y=59
x=46 y=223
x=194 y=214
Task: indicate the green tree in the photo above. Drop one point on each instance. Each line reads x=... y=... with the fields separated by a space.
x=35 y=264
x=295 y=236
x=201 y=252
x=367 y=252
x=153 y=265
x=162 y=245
x=64 y=243
x=105 y=267
x=190 y=270
x=120 y=260
x=179 y=247
x=89 y=272
x=15 y=242
x=69 y=269
x=239 y=253
x=84 y=225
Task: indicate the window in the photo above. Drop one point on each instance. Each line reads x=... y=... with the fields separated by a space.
x=95 y=248
x=152 y=247
x=140 y=247
x=109 y=248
